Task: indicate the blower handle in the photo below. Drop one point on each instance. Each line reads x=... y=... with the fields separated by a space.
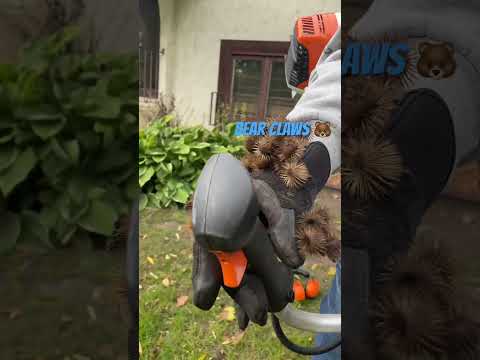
x=276 y=276
x=262 y=261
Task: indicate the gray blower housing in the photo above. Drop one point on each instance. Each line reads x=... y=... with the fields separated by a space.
x=225 y=208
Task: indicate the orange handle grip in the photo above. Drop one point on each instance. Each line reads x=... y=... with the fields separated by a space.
x=233 y=266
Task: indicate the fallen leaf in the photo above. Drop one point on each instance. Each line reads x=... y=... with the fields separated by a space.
x=15 y=313
x=228 y=313
x=331 y=271
x=219 y=355
x=166 y=282
x=140 y=350
x=182 y=300
x=153 y=275
x=150 y=260
x=97 y=294
x=314 y=266
x=177 y=236
x=173 y=255
x=167 y=257
x=235 y=339
x=91 y=313
x=468 y=219
x=202 y=357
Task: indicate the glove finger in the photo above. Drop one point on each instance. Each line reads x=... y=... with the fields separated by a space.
x=252 y=298
x=284 y=241
x=206 y=277
x=281 y=225
x=242 y=318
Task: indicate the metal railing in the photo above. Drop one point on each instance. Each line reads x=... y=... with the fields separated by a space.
x=149 y=66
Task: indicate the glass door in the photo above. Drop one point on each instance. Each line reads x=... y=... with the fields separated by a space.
x=259 y=90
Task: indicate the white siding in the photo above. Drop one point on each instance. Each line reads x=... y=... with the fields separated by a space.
x=191 y=31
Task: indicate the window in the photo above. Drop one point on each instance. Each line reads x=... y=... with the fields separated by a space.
x=252 y=83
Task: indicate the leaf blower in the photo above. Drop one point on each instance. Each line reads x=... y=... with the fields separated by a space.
x=227 y=220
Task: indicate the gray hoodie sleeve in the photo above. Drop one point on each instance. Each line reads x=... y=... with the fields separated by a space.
x=321 y=101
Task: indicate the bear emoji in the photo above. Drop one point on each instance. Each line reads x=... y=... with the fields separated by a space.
x=322 y=129
x=437 y=60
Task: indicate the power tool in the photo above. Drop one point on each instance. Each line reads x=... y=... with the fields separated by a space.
x=226 y=219
x=311 y=35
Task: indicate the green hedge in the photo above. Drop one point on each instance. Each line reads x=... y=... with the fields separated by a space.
x=171 y=159
x=68 y=131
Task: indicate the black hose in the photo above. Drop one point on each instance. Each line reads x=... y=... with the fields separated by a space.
x=314 y=350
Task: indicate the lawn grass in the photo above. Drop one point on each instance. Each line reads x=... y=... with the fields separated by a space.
x=168 y=331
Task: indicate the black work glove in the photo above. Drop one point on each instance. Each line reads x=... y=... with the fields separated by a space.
x=280 y=207
x=283 y=205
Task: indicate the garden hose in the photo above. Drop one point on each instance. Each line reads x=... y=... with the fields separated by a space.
x=303 y=350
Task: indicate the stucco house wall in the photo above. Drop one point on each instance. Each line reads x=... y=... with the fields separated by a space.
x=191 y=33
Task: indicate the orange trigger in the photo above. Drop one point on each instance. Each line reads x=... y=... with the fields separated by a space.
x=233 y=266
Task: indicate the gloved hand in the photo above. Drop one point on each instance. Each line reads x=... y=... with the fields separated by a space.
x=280 y=207
x=284 y=202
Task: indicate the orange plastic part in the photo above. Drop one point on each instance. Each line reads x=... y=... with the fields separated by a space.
x=312 y=289
x=233 y=266
x=314 y=33
x=299 y=290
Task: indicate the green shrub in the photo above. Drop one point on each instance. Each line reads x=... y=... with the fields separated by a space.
x=171 y=159
x=68 y=134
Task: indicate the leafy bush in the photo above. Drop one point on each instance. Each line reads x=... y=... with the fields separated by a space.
x=68 y=134
x=171 y=159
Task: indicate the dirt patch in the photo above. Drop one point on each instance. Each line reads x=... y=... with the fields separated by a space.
x=58 y=304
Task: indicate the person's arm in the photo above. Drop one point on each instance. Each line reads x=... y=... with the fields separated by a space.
x=321 y=101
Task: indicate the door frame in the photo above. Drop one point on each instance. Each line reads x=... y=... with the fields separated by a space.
x=231 y=49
